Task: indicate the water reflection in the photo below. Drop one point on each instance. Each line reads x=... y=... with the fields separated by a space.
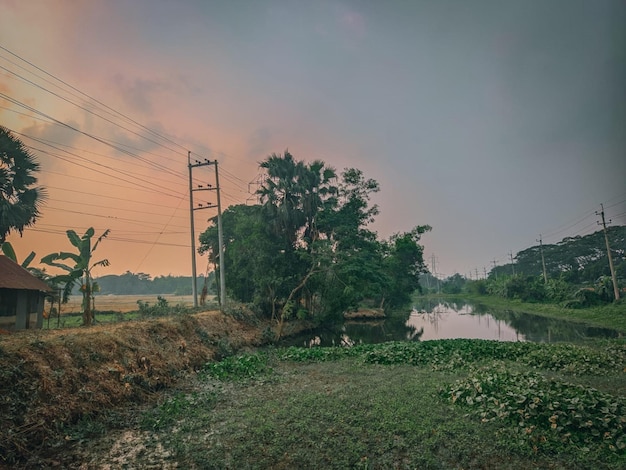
x=354 y=332
x=439 y=319
x=475 y=320
x=447 y=321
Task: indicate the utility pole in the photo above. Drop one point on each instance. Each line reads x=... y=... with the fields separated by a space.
x=219 y=227
x=257 y=182
x=194 y=287
x=434 y=266
x=476 y=270
x=485 y=272
x=608 y=252
x=220 y=240
x=494 y=261
x=543 y=261
x=512 y=262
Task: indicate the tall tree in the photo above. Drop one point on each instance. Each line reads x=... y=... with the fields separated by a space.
x=293 y=195
x=81 y=270
x=404 y=263
x=251 y=250
x=20 y=199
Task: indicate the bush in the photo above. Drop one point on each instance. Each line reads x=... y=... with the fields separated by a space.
x=161 y=308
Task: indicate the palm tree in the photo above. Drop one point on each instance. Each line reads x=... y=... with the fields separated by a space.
x=81 y=269
x=19 y=200
x=294 y=193
x=281 y=194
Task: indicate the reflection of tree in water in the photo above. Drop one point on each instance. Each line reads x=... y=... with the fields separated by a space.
x=437 y=311
x=543 y=329
x=532 y=327
x=350 y=333
x=395 y=328
x=427 y=305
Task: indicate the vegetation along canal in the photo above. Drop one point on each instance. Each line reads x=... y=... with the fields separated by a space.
x=442 y=319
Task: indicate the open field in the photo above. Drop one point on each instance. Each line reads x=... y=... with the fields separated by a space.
x=125 y=303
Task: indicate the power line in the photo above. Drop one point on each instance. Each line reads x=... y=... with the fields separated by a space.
x=113 y=238
x=94 y=100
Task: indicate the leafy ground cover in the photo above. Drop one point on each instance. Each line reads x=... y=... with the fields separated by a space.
x=436 y=404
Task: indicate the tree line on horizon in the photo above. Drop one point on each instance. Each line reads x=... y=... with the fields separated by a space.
x=141 y=284
x=577 y=272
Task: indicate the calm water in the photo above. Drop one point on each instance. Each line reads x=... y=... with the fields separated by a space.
x=445 y=320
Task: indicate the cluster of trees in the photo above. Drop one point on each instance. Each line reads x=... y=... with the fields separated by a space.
x=577 y=260
x=306 y=250
x=577 y=272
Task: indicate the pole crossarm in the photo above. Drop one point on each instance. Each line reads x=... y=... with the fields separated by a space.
x=208 y=205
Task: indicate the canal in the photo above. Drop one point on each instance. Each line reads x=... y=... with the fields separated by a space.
x=442 y=319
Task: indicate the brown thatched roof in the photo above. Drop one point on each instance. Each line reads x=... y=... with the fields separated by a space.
x=13 y=276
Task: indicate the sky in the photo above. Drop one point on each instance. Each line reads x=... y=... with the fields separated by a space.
x=493 y=121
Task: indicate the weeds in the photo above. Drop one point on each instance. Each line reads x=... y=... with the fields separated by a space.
x=161 y=308
x=239 y=367
x=532 y=413
x=542 y=413
x=174 y=408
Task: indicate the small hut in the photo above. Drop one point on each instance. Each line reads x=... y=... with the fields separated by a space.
x=22 y=297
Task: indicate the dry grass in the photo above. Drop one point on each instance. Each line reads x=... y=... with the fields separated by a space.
x=53 y=378
x=125 y=303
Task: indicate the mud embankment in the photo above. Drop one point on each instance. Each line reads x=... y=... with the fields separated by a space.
x=49 y=379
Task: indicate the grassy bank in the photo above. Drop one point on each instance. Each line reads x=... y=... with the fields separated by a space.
x=436 y=404
x=606 y=316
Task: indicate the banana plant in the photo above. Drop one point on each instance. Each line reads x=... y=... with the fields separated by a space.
x=81 y=270
x=9 y=252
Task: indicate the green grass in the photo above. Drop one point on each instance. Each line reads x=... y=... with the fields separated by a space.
x=606 y=316
x=436 y=404
x=76 y=319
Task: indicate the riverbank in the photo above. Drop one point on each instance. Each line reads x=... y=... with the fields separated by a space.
x=605 y=316
x=50 y=380
x=174 y=393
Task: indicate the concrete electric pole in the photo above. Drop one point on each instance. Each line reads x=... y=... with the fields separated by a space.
x=543 y=261
x=209 y=187
x=608 y=252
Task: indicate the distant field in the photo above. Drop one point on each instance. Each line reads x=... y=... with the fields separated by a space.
x=126 y=303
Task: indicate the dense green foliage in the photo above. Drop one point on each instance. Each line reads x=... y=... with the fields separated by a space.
x=578 y=260
x=20 y=199
x=305 y=250
x=544 y=413
x=577 y=273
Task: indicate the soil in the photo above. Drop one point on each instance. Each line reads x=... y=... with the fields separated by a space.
x=52 y=379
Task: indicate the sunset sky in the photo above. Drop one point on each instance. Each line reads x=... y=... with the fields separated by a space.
x=493 y=121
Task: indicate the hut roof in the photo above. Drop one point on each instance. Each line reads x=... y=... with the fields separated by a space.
x=13 y=276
